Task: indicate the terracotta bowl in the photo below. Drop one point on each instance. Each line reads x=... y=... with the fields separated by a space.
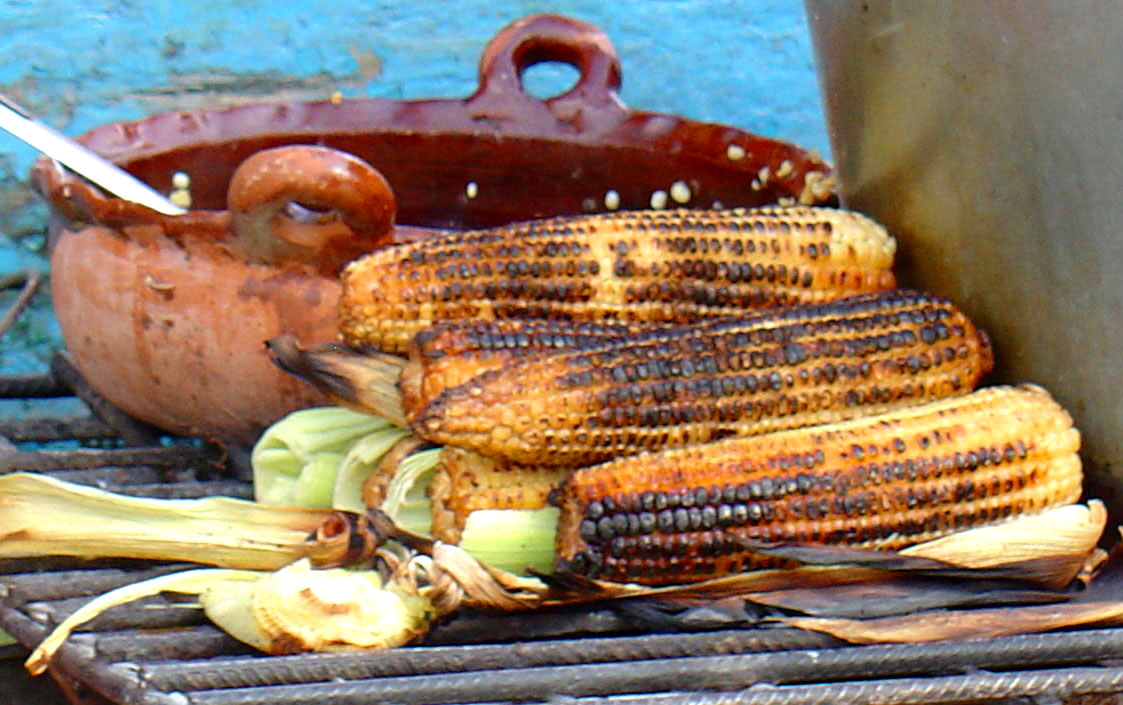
x=166 y=315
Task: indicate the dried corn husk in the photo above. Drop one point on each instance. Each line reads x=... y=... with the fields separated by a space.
x=1050 y=549
x=189 y=582
x=301 y=609
x=42 y=516
x=292 y=610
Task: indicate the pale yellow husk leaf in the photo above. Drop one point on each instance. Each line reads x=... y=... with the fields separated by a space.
x=42 y=516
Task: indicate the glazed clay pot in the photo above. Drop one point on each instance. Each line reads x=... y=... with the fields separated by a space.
x=166 y=315
x=169 y=324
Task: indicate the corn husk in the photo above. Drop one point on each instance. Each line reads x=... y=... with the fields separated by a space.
x=296 y=461
x=292 y=610
x=1048 y=549
x=361 y=461
x=42 y=516
x=189 y=582
x=300 y=609
x=407 y=496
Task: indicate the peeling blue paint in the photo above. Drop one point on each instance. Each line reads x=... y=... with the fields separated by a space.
x=83 y=64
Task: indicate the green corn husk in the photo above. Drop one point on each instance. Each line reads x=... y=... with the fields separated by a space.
x=407 y=498
x=512 y=540
x=361 y=461
x=296 y=460
x=314 y=458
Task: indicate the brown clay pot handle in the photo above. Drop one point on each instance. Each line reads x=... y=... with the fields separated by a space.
x=308 y=205
x=540 y=38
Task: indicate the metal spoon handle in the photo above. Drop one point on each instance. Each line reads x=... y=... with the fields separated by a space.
x=100 y=171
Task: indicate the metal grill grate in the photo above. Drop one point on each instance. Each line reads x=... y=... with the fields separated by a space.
x=160 y=651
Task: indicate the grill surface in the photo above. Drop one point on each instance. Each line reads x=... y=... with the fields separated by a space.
x=161 y=651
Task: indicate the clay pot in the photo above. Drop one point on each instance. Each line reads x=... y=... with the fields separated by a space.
x=166 y=315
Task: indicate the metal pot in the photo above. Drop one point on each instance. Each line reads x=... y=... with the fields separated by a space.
x=988 y=136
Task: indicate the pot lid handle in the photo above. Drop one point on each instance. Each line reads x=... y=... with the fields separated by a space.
x=592 y=101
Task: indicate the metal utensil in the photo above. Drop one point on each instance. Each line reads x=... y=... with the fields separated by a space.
x=101 y=172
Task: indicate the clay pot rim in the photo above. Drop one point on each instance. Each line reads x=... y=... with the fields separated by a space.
x=589 y=115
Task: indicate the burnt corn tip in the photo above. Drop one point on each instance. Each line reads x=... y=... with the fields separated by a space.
x=365 y=382
x=885 y=481
x=286 y=353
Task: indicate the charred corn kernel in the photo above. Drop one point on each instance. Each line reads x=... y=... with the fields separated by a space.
x=672 y=266
x=883 y=481
x=489 y=337
x=454 y=352
x=466 y=482
x=677 y=385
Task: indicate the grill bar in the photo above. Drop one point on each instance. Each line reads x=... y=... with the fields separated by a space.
x=43 y=429
x=43 y=386
x=63 y=584
x=76 y=659
x=1051 y=685
x=176 y=458
x=188 y=489
x=186 y=644
x=135 y=433
x=653 y=676
x=536 y=625
x=111 y=477
x=310 y=668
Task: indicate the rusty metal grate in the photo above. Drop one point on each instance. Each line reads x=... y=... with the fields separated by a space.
x=162 y=652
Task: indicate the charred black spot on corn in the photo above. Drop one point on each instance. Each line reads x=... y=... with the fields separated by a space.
x=883 y=481
x=670 y=266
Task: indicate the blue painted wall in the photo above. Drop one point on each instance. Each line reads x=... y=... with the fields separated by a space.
x=81 y=64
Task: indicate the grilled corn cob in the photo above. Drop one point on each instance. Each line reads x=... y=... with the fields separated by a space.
x=466 y=482
x=664 y=385
x=885 y=481
x=676 y=385
x=672 y=266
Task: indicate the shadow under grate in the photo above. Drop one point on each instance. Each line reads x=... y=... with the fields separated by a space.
x=161 y=651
